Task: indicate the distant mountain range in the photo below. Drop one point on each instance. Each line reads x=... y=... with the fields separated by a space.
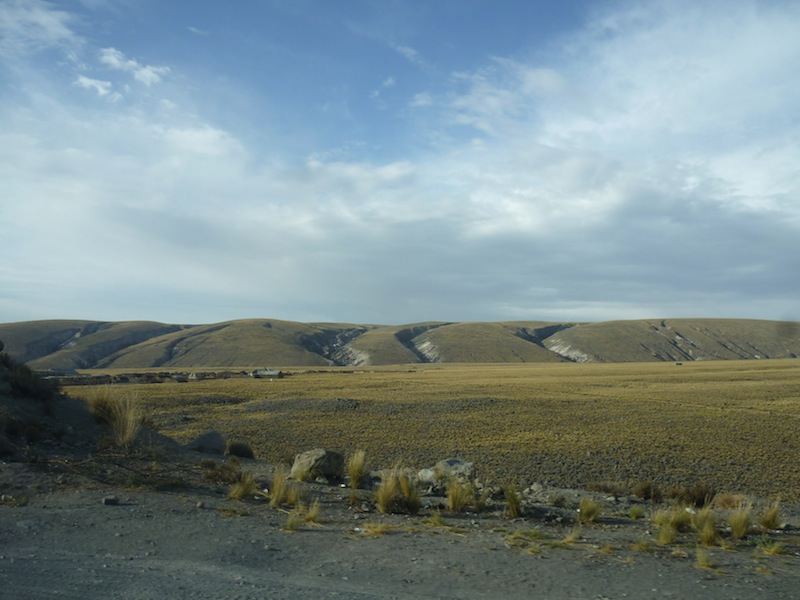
x=61 y=344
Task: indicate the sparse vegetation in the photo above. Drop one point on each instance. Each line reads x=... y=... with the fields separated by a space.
x=705 y=524
x=356 y=468
x=588 y=510
x=741 y=521
x=637 y=512
x=460 y=495
x=240 y=449
x=244 y=487
x=771 y=517
x=398 y=493
x=118 y=408
x=513 y=500
x=682 y=398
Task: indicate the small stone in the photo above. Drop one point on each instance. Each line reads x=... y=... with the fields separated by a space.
x=110 y=500
x=201 y=504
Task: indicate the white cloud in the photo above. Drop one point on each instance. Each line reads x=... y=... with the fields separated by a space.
x=410 y=54
x=645 y=167
x=31 y=25
x=103 y=88
x=145 y=74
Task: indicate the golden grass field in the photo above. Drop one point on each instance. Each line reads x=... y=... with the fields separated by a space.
x=731 y=424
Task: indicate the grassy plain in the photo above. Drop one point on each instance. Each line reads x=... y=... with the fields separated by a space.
x=731 y=424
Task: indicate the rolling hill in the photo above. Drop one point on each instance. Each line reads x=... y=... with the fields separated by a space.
x=66 y=345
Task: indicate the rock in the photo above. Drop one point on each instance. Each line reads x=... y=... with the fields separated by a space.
x=456 y=467
x=318 y=463
x=211 y=442
x=435 y=478
x=110 y=500
x=2 y=345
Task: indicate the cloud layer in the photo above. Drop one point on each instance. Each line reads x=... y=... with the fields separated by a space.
x=644 y=164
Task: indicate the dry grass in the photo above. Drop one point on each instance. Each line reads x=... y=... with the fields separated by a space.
x=356 y=468
x=398 y=493
x=283 y=492
x=513 y=500
x=119 y=408
x=613 y=420
x=705 y=523
x=741 y=521
x=588 y=511
x=460 y=495
x=637 y=512
x=771 y=517
x=244 y=487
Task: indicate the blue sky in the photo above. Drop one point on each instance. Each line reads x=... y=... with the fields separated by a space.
x=399 y=161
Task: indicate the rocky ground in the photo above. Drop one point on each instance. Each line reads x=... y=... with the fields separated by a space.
x=80 y=518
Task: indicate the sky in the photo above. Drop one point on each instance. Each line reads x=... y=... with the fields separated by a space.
x=398 y=161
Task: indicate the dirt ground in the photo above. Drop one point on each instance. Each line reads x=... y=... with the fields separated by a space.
x=77 y=521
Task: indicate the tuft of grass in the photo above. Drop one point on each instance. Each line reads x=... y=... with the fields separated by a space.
x=741 y=521
x=669 y=523
x=375 y=529
x=294 y=522
x=228 y=472
x=119 y=410
x=637 y=512
x=313 y=513
x=771 y=517
x=588 y=510
x=459 y=495
x=513 y=500
x=573 y=537
x=240 y=449
x=705 y=523
x=643 y=545
x=729 y=501
x=398 y=493
x=770 y=548
x=244 y=487
x=697 y=495
x=647 y=490
x=281 y=491
x=703 y=559
x=356 y=467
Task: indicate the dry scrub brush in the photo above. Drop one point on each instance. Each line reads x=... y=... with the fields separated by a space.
x=118 y=409
x=398 y=493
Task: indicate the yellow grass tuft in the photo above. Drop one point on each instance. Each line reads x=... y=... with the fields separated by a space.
x=356 y=468
x=245 y=486
x=705 y=523
x=119 y=410
x=513 y=500
x=771 y=517
x=741 y=521
x=588 y=510
x=459 y=495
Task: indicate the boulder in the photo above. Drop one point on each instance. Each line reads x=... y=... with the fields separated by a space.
x=211 y=442
x=435 y=478
x=318 y=464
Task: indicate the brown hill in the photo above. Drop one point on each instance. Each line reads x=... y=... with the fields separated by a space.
x=259 y=342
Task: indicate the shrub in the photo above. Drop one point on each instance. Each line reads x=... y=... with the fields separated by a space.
x=24 y=382
x=647 y=490
x=740 y=521
x=459 y=495
x=356 y=469
x=243 y=487
x=398 y=493
x=513 y=500
x=120 y=411
x=697 y=495
x=771 y=518
x=636 y=512
x=588 y=510
x=228 y=472
x=240 y=449
x=705 y=523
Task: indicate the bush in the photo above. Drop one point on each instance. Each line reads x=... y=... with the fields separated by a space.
x=120 y=411
x=240 y=449
x=24 y=382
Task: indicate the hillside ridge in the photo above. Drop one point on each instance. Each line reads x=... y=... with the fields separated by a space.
x=71 y=345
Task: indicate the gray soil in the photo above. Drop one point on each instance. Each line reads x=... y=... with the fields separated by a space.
x=79 y=521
